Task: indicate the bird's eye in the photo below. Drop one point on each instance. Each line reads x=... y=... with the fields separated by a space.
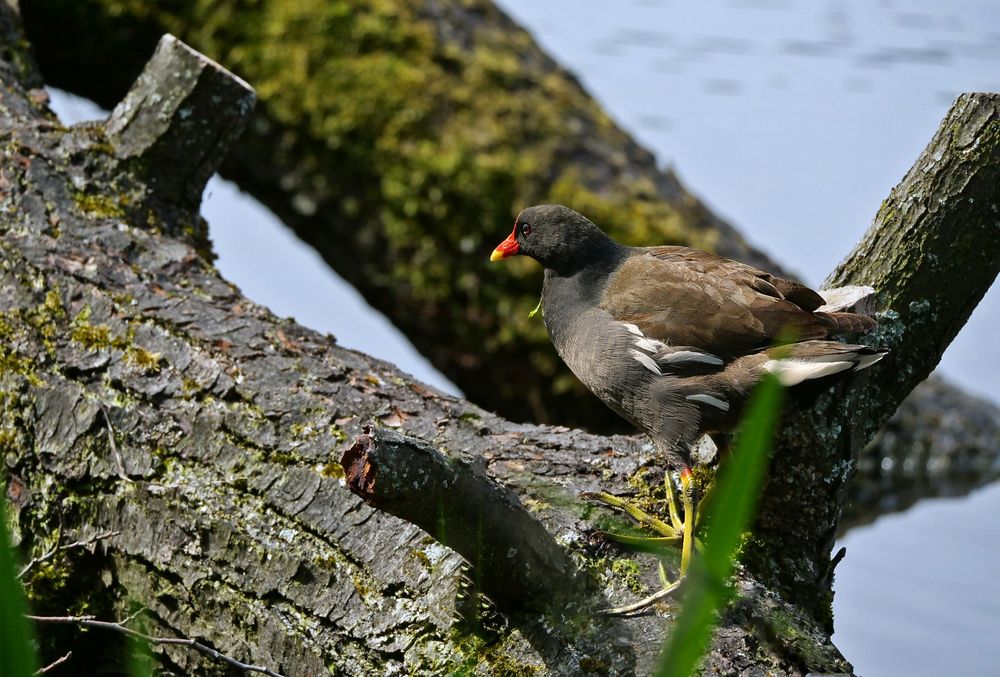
x=525 y=229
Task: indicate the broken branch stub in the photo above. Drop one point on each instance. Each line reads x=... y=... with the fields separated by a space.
x=178 y=120
x=515 y=561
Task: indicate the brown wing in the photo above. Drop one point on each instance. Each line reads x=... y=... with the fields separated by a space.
x=692 y=298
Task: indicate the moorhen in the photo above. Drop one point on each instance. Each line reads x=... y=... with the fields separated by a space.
x=672 y=338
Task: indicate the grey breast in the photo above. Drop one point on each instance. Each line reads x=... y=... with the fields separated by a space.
x=601 y=353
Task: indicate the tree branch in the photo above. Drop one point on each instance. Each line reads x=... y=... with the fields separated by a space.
x=178 y=120
x=931 y=254
x=404 y=200
x=515 y=560
x=59 y=661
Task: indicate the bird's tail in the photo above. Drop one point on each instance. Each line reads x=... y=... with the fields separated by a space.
x=849 y=323
x=799 y=362
x=846 y=308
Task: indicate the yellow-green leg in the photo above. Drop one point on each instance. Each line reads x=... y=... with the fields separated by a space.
x=679 y=529
x=688 y=534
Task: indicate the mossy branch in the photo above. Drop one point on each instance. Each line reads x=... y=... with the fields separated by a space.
x=515 y=561
x=931 y=253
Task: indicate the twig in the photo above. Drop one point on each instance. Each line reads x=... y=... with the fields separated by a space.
x=131 y=617
x=119 y=462
x=54 y=663
x=91 y=622
x=76 y=544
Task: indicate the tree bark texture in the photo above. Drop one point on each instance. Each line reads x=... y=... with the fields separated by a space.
x=516 y=562
x=143 y=394
x=399 y=138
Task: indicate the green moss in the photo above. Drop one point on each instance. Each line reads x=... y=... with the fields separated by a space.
x=284 y=458
x=103 y=147
x=424 y=560
x=337 y=433
x=475 y=651
x=99 y=205
x=326 y=563
x=626 y=572
x=147 y=361
x=536 y=505
x=95 y=337
x=53 y=305
x=333 y=470
x=794 y=638
x=190 y=387
x=300 y=430
x=12 y=362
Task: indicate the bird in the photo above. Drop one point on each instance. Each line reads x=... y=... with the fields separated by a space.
x=674 y=339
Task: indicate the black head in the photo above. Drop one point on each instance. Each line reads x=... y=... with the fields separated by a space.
x=557 y=237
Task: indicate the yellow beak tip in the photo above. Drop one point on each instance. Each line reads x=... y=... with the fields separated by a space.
x=497 y=255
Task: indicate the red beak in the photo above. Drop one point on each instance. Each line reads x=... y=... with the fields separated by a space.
x=505 y=249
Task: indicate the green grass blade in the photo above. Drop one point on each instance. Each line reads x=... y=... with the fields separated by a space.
x=17 y=651
x=730 y=512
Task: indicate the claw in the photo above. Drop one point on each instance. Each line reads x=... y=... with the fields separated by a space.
x=678 y=530
x=650 y=544
x=645 y=603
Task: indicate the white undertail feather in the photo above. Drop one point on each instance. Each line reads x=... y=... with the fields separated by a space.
x=792 y=371
x=849 y=298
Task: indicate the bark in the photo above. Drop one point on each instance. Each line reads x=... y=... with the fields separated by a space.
x=143 y=395
x=516 y=562
x=235 y=523
x=398 y=138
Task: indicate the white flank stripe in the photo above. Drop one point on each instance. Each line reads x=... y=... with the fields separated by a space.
x=632 y=328
x=709 y=400
x=649 y=345
x=689 y=356
x=646 y=361
x=865 y=361
x=792 y=372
